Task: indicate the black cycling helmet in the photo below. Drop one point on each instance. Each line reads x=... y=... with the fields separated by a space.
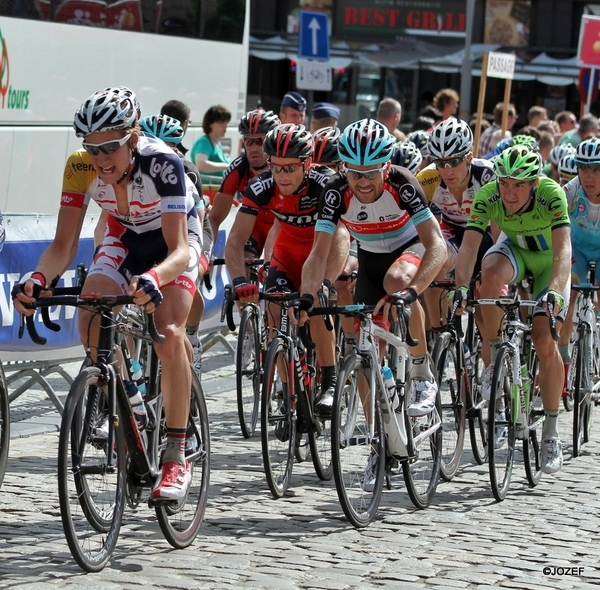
x=407 y=154
x=163 y=127
x=365 y=143
x=326 y=142
x=258 y=122
x=289 y=141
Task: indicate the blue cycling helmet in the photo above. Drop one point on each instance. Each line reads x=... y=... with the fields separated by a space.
x=588 y=151
x=407 y=154
x=421 y=140
x=164 y=127
x=365 y=143
x=502 y=145
x=567 y=167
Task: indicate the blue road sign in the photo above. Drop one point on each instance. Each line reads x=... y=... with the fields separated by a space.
x=313 y=37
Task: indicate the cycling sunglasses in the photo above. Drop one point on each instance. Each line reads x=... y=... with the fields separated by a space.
x=253 y=141
x=288 y=168
x=106 y=147
x=450 y=162
x=583 y=166
x=358 y=174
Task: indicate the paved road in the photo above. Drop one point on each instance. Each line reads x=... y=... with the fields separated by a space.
x=539 y=538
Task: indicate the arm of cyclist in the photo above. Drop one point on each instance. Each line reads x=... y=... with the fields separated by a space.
x=465 y=262
x=55 y=260
x=220 y=209
x=145 y=288
x=234 y=257
x=561 y=267
x=270 y=241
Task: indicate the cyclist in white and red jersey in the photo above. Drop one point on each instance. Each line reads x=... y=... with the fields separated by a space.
x=253 y=128
x=400 y=245
x=150 y=249
x=450 y=184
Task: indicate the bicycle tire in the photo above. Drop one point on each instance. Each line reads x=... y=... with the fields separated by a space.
x=180 y=523
x=501 y=429
x=478 y=406
x=535 y=419
x=278 y=422
x=580 y=389
x=4 y=424
x=248 y=370
x=353 y=445
x=91 y=504
x=452 y=391
x=302 y=446
x=422 y=470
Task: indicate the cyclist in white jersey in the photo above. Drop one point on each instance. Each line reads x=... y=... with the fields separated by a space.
x=150 y=249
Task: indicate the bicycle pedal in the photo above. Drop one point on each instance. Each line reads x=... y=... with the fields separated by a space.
x=161 y=502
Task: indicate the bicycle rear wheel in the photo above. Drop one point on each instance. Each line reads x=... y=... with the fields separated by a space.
x=581 y=390
x=357 y=444
x=181 y=522
x=501 y=429
x=422 y=470
x=477 y=412
x=4 y=424
x=248 y=374
x=535 y=419
x=278 y=422
x=91 y=495
x=451 y=381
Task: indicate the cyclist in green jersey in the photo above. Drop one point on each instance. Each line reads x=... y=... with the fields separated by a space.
x=531 y=212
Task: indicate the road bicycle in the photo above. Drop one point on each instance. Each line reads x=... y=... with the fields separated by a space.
x=370 y=440
x=104 y=458
x=583 y=379
x=4 y=424
x=290 y=386
x=515 y=409
x=457 y=359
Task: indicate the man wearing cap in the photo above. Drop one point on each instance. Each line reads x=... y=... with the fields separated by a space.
x=324 y=114
x=293 y=108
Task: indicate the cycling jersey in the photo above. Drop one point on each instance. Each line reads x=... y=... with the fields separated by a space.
x=134 y=243
x=438 y=194
x=235 y=180
x=530 y=230
x=297 y=214
x=383 y=226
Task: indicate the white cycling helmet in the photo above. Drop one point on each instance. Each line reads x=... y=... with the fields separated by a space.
x=450 y=138
x=111 y=109
x=588 y=151
x=559 y=151
x=567 y=167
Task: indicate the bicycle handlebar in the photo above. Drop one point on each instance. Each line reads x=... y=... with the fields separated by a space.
x=71 y=296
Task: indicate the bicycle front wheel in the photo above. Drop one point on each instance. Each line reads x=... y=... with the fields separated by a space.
x=501 y=429
x=535 y=419
x=477 y=411
x=357 y=443
x=581 y=391
x=278 y=422
x=4 y=424
x=248 y=374
x=451 y=381
x=91 y=485
x=180 y=523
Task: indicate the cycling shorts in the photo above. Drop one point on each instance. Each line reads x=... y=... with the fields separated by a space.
x=373 y=266
x=581 y=257
x=453 y=235
x=285 y=269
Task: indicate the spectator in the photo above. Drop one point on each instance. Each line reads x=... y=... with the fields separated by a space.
x=180 y=111
x=423 y=123
x=207 y=151
x=482 y=126
x=566 y=121
x=535 y=115
x=324 y=114
x=389 y=113
x=546 y=142
x=588 y=127
x=446 y=102
x=293 y=108
x=492 y=135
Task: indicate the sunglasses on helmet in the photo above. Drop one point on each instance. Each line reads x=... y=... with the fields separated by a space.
x=106 y=147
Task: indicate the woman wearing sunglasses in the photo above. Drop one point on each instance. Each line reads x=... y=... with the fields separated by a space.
x=151 y=247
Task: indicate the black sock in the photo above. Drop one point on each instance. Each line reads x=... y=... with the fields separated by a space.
x=328 y=377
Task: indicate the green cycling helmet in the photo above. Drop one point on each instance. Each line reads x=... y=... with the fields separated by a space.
x=527 y=140
x=518 y=162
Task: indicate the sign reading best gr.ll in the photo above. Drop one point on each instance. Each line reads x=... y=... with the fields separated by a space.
x=501 y=65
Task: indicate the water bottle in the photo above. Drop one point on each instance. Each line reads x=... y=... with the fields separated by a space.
x=137 y=375
x=137 y=403
x=390 y=386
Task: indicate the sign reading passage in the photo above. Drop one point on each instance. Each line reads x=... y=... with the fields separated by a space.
x=313 y=36
x=501 y=65
x=589 y=41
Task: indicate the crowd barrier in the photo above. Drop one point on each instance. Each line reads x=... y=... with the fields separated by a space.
x=27 y=363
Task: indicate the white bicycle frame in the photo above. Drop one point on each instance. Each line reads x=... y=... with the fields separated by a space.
x=586 y=315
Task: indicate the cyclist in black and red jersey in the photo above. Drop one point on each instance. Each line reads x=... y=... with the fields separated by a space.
x=291 y=189
x=253 y=128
